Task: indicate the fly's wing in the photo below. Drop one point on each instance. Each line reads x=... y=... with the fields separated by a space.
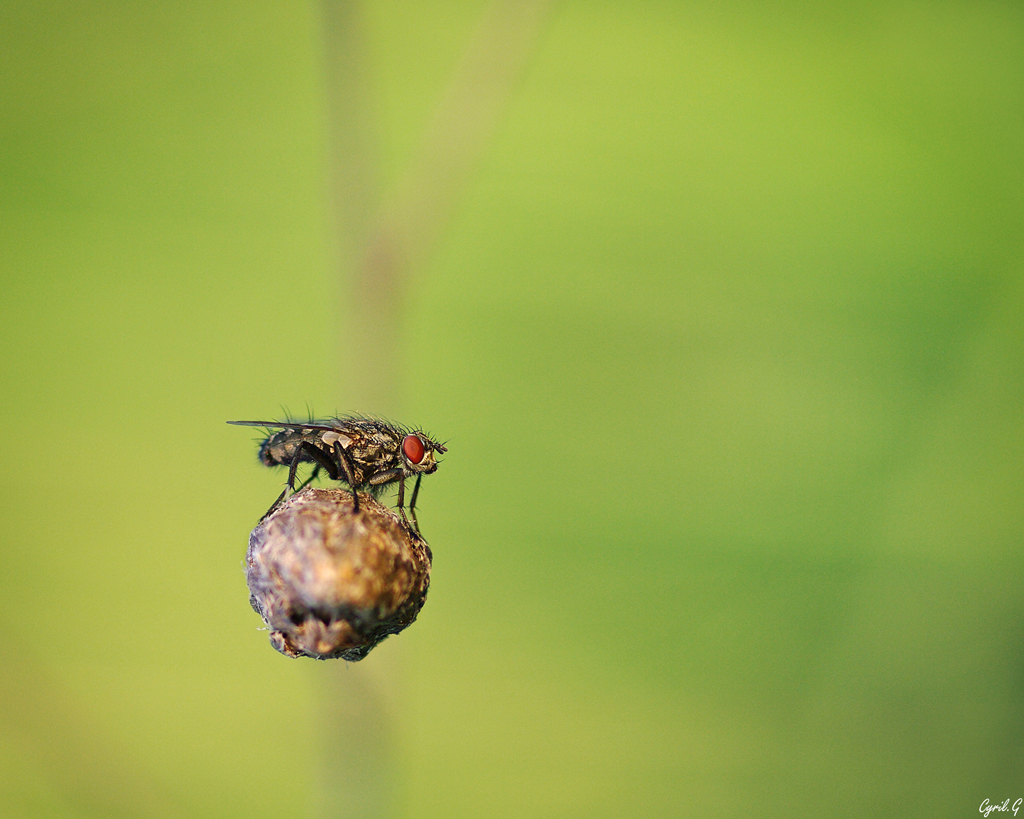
x=319 y=425
x=331 y=431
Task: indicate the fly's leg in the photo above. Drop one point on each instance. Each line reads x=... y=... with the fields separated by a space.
x=401 y=499
x=390 y=476
x=292 y=469
x=312 y=476
x=274 y=505
x=320 y=460
x=401 y=503
x=312 y=453
x=412 y=502
x=290 y=486
x=415 y=492
x=346 y=466
x=291 y=483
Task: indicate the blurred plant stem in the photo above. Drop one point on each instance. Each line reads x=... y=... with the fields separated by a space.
x=384 y=240
x=386 y=236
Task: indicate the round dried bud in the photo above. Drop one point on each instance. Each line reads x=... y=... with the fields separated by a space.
x=331 y=583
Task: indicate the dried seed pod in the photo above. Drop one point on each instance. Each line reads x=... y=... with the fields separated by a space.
x=333 y=583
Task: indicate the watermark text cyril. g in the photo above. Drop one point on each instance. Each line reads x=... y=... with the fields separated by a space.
x=987 y=807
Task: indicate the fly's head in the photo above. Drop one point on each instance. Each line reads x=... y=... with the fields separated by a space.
x=418 y=453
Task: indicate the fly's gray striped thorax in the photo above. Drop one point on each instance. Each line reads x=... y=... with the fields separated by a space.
x=376 y=450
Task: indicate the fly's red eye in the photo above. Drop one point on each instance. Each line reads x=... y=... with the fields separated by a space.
x=412 y=446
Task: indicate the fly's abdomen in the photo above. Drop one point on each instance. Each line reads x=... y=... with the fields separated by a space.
x=280 y=448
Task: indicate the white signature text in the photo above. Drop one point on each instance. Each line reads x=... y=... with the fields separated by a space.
x=987 y=807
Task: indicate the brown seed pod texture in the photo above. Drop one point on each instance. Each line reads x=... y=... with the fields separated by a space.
x=333 y=584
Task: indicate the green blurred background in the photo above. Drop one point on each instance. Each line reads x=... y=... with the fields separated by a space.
x=724 y=324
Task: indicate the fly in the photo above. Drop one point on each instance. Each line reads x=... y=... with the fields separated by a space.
x=365 y=453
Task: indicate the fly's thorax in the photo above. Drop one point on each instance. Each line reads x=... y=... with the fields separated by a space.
x=376 y=452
